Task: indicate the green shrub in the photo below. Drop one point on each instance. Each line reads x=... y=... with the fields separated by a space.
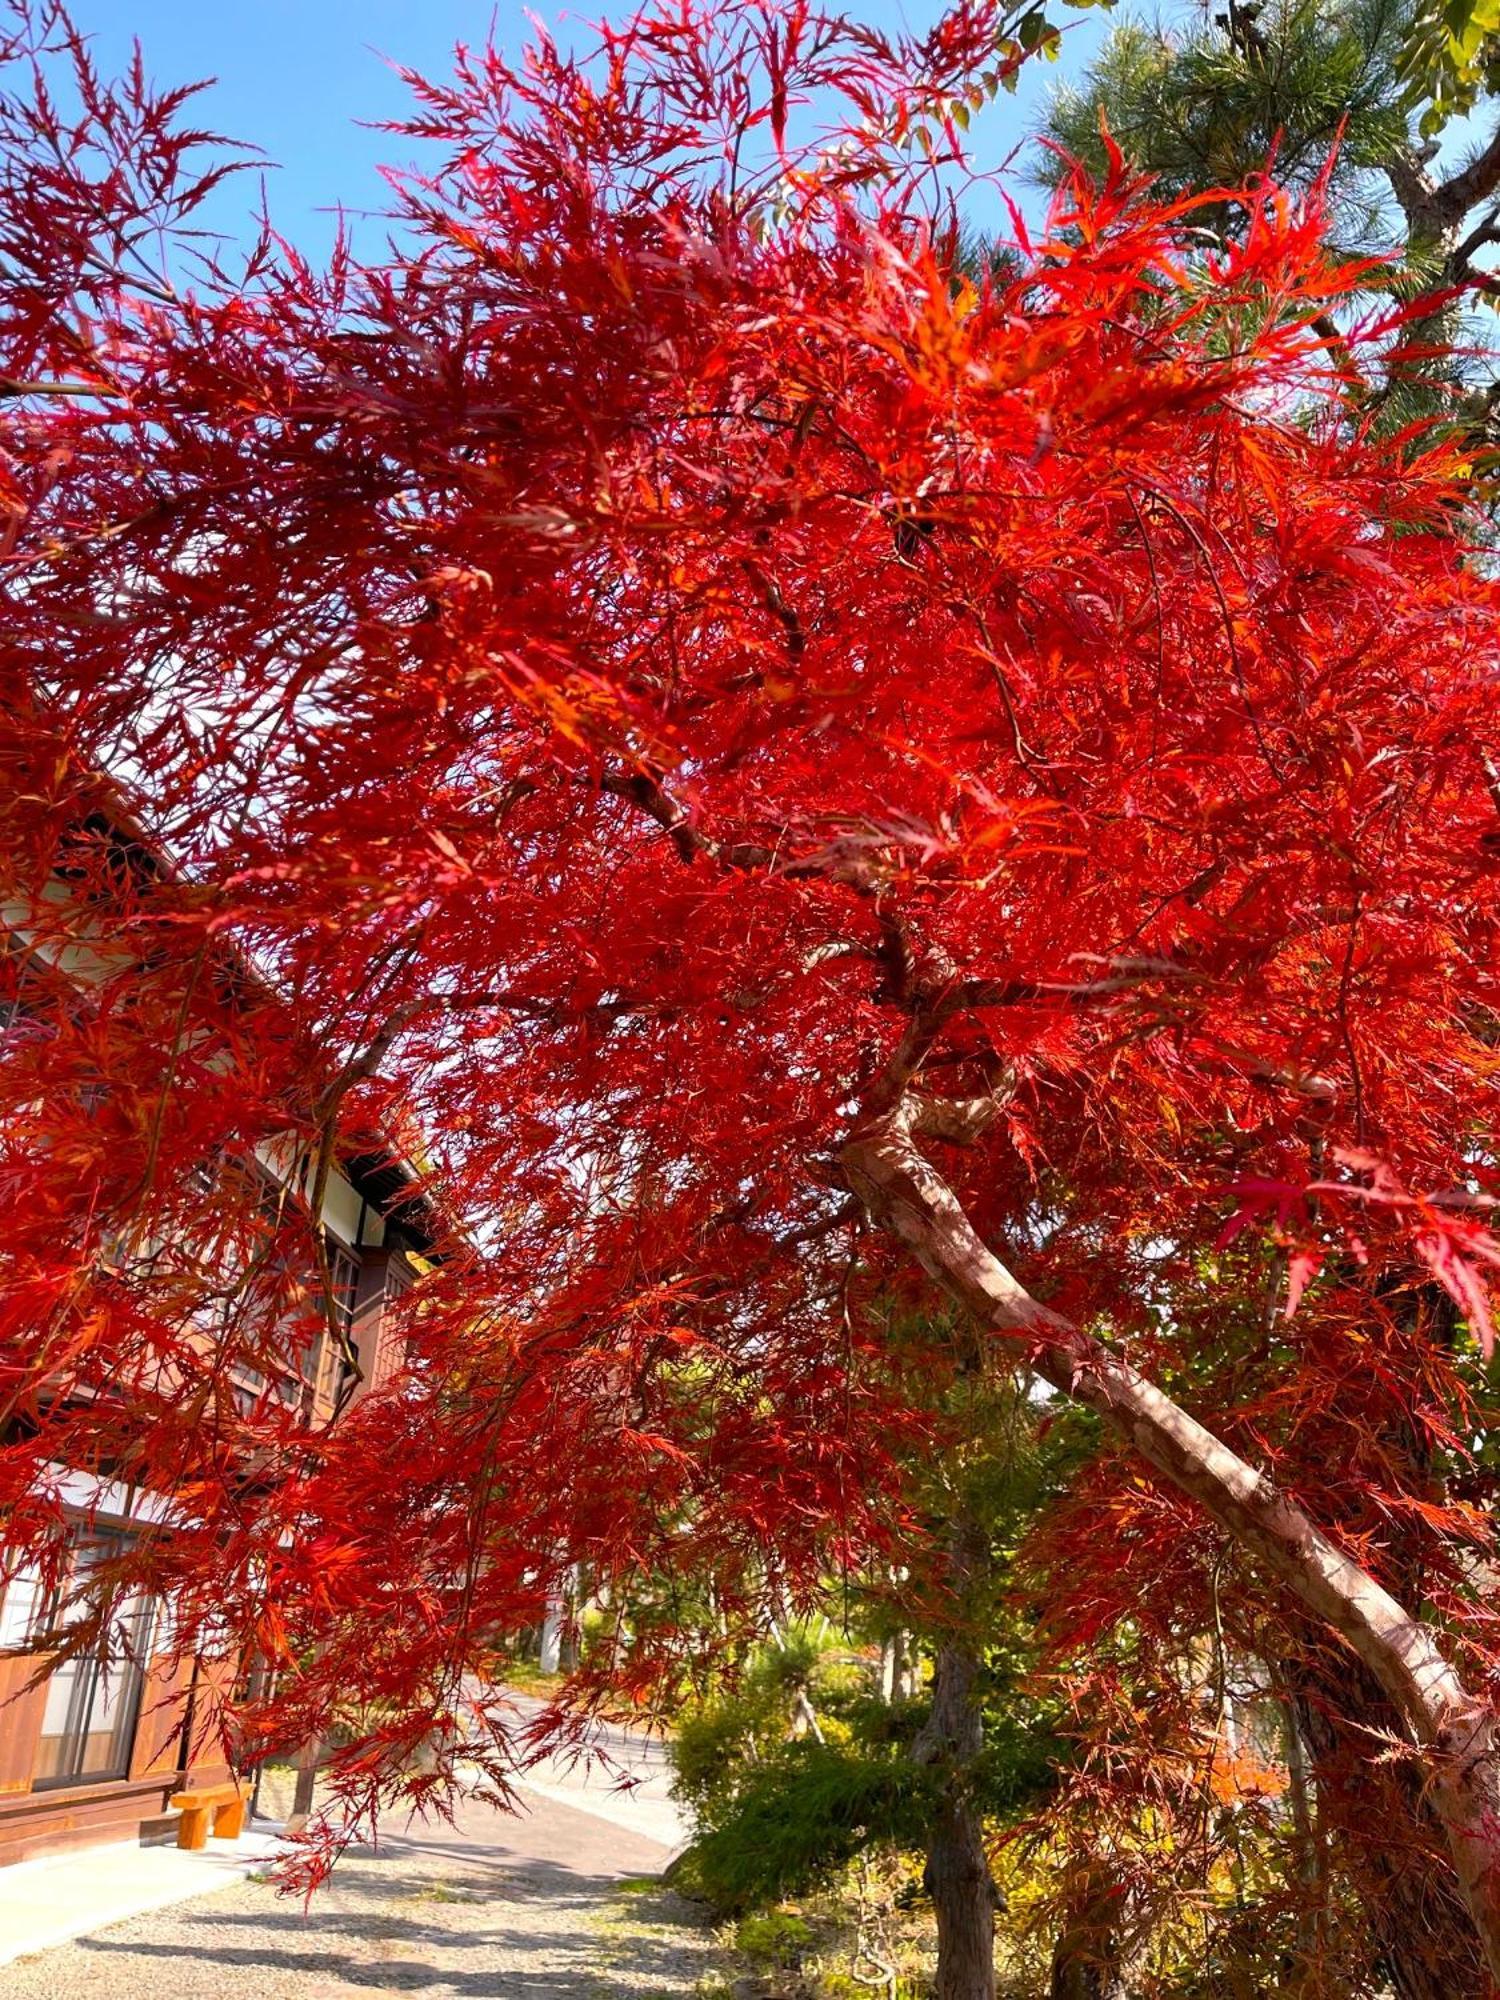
x=792 y=1820
x=776 y=1938
x=797 y=1817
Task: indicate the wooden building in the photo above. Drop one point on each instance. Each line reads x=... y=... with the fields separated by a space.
x=92 y=1748
x=93 y=1751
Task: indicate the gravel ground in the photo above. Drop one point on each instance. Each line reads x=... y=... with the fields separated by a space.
x=492 y=1909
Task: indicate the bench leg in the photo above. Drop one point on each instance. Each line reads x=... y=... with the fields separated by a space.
x=229 y=1820
x=192 y=1828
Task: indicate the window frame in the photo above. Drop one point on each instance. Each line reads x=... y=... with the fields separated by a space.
x=91 y=1674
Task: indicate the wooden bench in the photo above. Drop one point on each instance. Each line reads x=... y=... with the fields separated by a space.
x=224 y=1803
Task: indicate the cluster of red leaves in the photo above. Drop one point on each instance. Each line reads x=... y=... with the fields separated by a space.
x=556 y=661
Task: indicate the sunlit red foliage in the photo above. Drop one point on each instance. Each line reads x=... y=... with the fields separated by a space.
x=663 y=673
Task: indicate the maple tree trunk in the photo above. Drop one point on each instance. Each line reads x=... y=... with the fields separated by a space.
x=1420 y=1930
x=905 y=1195
x=307 y=1781
x=1085 y=1960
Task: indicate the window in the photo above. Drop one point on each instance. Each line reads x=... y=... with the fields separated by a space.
x=93 y=1700
x=391 y=1346
x=19 y=1606
x=327 y=1365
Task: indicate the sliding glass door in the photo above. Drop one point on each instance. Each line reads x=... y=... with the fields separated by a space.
x=94 y=1699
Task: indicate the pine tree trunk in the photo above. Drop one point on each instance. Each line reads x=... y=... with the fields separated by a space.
x=308 y=1758
x=549 y=1648
x=888 y=1670
x=1311 y=1850
x=1456 y=1731
x=957 y=1875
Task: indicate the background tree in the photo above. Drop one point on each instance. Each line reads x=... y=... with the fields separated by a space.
x=1353 y=96
x=1327 y=95
x=941 y=1769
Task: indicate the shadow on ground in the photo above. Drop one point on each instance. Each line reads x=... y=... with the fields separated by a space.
x=410 y=1918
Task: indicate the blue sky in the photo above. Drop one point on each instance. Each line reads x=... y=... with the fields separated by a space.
x=296 y=77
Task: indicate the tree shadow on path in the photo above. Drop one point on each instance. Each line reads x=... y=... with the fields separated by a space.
x=408 y=1916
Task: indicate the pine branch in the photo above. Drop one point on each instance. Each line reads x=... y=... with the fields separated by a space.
x=1471 y=184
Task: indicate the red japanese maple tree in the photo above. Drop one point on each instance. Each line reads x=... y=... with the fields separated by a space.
x=782 y=767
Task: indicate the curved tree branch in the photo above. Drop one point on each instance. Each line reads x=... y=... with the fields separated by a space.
x=908 y=1198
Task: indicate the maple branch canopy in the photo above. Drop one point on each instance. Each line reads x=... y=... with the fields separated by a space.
x=672 y=668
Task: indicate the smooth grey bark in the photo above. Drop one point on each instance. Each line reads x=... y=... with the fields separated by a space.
x=906 y=1196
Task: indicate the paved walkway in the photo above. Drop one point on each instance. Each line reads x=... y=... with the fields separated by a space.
x=492 y=1908
x=590 y=1778
x=50 y=1900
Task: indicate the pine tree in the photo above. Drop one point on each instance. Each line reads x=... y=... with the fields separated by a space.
x=1342 y=94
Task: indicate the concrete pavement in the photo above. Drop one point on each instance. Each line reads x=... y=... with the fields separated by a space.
x=59 y=1896
x=620 y=1775
x=495 y=1907
x=591 y=1816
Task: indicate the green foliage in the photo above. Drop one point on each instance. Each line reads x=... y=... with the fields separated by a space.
x=800 y=1766
x=526 y=1677
x=774 y=1938
x=797 y=1818
x=783 y=1818
x=1451 y=57
x=847 y=1986
x=1203 y=105
x=715 y=1738
x=1343 y=96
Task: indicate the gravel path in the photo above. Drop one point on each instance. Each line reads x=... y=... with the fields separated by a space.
x=494 y=1908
